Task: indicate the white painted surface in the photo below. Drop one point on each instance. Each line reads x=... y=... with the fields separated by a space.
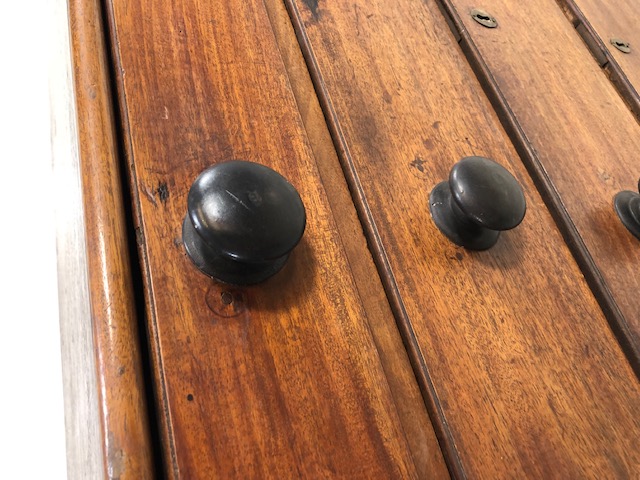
x=35 y=57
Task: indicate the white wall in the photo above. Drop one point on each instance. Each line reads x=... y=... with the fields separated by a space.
x=32 y=431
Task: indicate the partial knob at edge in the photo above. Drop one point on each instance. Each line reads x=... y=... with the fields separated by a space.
x=480 y=199
x=627 y=206
x=243 y=219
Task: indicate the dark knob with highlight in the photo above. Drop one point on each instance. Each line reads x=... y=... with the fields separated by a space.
x=627 y=205
x=480 y=199
x=243 y=219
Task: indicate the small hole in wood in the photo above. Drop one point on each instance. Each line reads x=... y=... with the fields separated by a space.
x=190 y=397
x=227 y=298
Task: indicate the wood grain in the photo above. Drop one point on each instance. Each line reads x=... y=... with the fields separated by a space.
x=123 y=409
x=599 y=22
x=82 y=436
x=522 y=373
x=419 y=431
x=579 y=138
x=285 y=381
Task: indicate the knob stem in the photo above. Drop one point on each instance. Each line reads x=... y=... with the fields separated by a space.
x=223 y=268
x=456 y=226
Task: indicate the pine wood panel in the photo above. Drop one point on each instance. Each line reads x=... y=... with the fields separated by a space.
x=126 y=440
x=285 y=381
x=599 y=22
x=579 y=135
x=523 y=375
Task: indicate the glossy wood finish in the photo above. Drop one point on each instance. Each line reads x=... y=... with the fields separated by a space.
x=577 y=135
x=599 y=21
x=82 y=436
x=421 y=439
x=123 y=408
x=278 y=380
x=523 y=375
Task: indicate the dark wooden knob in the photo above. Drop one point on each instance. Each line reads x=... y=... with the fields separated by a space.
x=243 y=219
x=480 y=199
x=627 y=205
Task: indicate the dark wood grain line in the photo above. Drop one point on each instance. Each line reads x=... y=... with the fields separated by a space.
x=413 y=414
x=548 y=190
x=421 y=369
x=395 y=88
x=602 y=54
x=292 y=385
x=126 y=434
x=168 y=450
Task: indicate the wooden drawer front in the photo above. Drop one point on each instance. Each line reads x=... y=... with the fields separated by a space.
x=520 y=367
x=285 y=381
x=579 y=136
x=600 y=23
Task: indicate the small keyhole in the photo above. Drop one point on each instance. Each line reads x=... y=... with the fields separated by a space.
x=621 y=45
x=484 y=19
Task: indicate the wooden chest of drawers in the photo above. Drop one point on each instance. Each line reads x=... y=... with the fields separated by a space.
x=382 y=349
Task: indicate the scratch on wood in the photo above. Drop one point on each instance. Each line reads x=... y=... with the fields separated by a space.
x=149 y=194
x=161 y=192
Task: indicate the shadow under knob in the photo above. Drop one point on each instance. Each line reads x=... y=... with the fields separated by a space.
x=243 y=219
x=480 y=199
x=627 y=205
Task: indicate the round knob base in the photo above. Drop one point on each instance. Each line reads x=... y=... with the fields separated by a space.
x=627 y=205
x=455 y=226
x=223 y=268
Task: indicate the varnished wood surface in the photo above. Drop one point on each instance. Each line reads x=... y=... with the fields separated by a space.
x=123 y=408
x=82 y=435
x=580 y=139
x=523 y=374
x=599 y=22
x=285 y=381
x=421 y=439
